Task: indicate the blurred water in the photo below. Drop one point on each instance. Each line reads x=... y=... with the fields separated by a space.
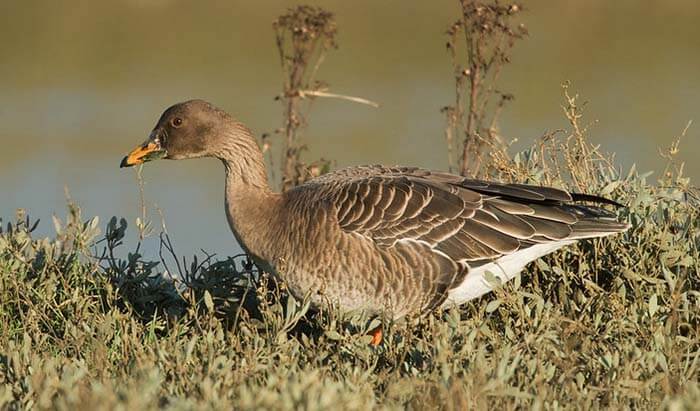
x=83 y=82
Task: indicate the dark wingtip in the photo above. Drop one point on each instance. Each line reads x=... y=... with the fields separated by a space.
x=595 y=199
x=124 y=162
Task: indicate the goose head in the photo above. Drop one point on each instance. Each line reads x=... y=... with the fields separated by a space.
x=191 y=129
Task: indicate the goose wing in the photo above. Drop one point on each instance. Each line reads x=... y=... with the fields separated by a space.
x=472 y=222
x=467 y=219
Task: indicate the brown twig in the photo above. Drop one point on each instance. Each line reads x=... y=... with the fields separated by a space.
x=488 y=34
x=303 y=36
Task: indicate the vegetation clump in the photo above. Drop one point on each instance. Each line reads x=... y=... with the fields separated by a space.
x=605 y=323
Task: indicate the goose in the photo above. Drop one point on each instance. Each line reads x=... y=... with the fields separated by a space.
x=389 y=241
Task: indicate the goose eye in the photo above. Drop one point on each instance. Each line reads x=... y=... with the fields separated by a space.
x=177 y=122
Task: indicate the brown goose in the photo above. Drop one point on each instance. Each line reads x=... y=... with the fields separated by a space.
x=389 y=240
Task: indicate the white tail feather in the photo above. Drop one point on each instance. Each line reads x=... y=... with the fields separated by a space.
x=505 y=268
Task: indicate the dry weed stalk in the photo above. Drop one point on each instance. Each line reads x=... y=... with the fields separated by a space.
x=489 y=34
x=562 y=158
x=583 y=160
x=303 y=36
x=674 y=167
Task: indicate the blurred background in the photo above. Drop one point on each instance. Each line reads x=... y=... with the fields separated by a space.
x=83 y=82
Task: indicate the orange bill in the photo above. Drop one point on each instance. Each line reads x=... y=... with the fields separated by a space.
x=141 y=154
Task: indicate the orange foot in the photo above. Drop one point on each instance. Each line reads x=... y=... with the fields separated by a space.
x=376 y=336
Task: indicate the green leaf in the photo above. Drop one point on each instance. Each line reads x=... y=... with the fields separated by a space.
x=376 y=322
x=492 y=306
x=208 y=301
x=363 y=340
x=57 y=225
x=653 y=305
x=492 y=279
x=542 y=265
x=333 y=335
x=610 y=188
x=517 y=281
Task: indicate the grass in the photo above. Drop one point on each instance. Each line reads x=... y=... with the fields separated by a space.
x=609 y=323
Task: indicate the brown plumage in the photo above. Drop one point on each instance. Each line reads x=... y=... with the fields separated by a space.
x=390 y=240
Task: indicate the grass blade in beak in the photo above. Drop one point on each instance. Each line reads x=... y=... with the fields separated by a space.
x=147 y=152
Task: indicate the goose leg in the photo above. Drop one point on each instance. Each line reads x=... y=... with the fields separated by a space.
x=376 y=336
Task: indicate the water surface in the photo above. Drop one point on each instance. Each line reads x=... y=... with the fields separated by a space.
x=83 y=82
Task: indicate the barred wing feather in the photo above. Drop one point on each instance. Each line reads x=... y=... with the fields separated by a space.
x=477 y=224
